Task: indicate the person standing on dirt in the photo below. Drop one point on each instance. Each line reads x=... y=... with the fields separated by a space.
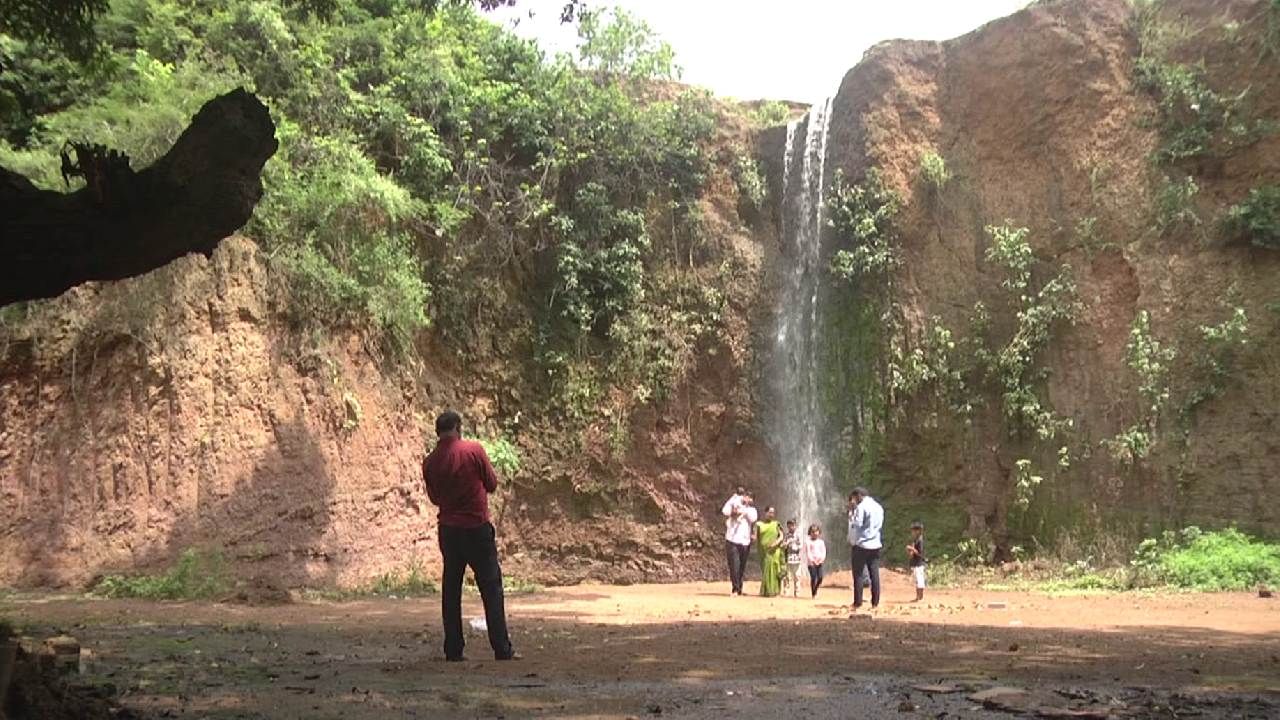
x=459 y=479
x=866 y=518
x=740 y=520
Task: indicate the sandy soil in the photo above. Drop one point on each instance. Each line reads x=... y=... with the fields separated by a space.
x=686 y=650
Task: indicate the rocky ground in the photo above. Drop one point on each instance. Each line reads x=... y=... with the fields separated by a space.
x=687 y=650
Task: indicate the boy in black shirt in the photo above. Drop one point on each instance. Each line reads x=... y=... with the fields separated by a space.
x=915 y=551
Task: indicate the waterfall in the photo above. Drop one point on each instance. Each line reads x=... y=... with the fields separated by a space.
x=799 y=428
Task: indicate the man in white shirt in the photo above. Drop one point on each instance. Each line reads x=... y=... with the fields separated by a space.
x=866 y=518
x=740 y=519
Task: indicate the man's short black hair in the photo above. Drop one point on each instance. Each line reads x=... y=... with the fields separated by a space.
x=860 y=492
x=448 y=421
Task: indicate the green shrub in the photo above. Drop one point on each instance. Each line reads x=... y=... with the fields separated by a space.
x=1193 y=119
x=770 y=113
x=519 y=586
x=933 y=169
x=1025 y=482
x=1037 y=314
x=862 y=216
x=1207 y=561
x=142 y=113
x=504 y=455
x=1130 y=446
x=1175 y=205
x=411 y=582
x=422 y=154
x=1257 y=218
x=198 y=575
x=751 y=187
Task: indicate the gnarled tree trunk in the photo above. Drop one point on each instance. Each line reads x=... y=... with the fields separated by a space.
x=126 y=223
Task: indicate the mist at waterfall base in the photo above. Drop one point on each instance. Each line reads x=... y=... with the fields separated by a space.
x=800 y=440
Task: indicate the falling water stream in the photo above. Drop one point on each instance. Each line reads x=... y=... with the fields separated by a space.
x=800 y=440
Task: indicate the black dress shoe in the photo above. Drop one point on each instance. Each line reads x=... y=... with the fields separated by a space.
x=513 y=655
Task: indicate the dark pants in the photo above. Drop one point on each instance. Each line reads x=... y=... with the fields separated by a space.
x=737 y=556
x=867 y=561
x=475 y=547
x=815 y=579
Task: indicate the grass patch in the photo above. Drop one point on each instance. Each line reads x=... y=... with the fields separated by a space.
x=197 y=575
x=519 y=586
x=1189 y=559
x=410 y=582
x=1207 y=561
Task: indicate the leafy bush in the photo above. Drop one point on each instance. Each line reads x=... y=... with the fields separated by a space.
x=1257 y=218
x=770 y=113
x=933 y=169
x=746 y=174
x=422 y=154
x=1012 y=365
x=1175 y=205
x=1130 y=446
x=616 y=43
x=1215 y=360
x=196 y=576
x=1025 y=483
x=1193 y=119
x=504 y=455
x=1208 y=561
x=1151 y=360
x=862 y=216
x=142 y=113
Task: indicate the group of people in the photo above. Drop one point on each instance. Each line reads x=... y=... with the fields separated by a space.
x=782 y=552
x=459 y=477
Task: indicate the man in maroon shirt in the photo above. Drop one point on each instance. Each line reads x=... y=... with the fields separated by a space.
x=459 y=478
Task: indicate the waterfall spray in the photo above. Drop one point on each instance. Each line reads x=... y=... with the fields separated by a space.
x=801 y=442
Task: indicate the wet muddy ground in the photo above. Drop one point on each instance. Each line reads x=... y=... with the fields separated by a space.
x=688 y=650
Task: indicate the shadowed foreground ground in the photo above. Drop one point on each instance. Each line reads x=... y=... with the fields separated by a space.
x=685 y=651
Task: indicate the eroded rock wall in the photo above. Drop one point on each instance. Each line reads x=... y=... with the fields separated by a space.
x=1042 y=123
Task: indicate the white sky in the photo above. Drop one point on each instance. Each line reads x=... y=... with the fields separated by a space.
x=776 y=49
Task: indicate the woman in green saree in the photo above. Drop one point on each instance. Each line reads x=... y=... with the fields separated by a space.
x=769 y=540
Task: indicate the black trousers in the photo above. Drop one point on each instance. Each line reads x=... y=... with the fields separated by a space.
x=737 y=557
x=815 y=579
x=867 y=561
x=476 y=547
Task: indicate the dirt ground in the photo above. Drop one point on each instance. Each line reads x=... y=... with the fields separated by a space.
x=687 y=650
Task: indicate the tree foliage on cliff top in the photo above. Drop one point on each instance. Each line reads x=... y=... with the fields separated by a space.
x=424 y=149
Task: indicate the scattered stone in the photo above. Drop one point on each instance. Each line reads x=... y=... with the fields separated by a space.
x=1057 y=712
x=1264 y=593
x=999 y=692
x=997 y=605
x=1013 y=647
x=941 y=689
x=906 y=706
x=1009 y=699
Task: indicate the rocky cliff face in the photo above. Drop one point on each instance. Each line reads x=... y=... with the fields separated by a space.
x=178 y=410
x=130 y=431
x=1044 y=122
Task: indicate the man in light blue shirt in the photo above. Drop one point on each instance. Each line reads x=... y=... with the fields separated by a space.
x=866 y=518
